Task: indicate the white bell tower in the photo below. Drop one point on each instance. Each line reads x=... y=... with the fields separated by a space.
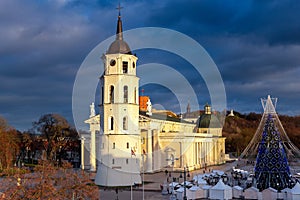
x=119 y=159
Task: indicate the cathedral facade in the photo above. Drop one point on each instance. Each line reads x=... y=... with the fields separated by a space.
x=128 y=137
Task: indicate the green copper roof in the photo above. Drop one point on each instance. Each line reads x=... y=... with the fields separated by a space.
x=208 y=121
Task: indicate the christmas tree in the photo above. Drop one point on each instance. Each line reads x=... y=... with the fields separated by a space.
x=272 y=169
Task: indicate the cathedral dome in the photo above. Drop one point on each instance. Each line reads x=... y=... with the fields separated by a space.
x=208 y=120
x=119 y=46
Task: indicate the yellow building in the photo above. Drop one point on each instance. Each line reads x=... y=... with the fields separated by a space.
x=127 y=137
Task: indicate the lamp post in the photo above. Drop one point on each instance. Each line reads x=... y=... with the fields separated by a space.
x=172 y=159
x=185 y=169
x=184 y=186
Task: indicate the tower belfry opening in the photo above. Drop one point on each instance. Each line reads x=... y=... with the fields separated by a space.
x=251 y=151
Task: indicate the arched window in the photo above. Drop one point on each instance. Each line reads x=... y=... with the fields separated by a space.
x=125 y=123
x=111 y=123
x=111 y=94
x=125 y=94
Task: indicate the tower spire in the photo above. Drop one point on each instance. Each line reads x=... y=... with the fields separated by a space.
x=188 y=108
x=119 y=33
x=119 y=45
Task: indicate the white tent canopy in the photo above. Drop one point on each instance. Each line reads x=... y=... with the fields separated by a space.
x=179 y=193
x=296 y=189
x=195 y=192
x=294 y=193
x=252 y=193
x=237 y=191
x=206 y=190
x=199 y=179
x=269 y=193
x=220 y=191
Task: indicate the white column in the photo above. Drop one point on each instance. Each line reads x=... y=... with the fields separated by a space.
x=214 y=155
x=93 y=151
x=209 y=152
x=82 y=152
x=195 y=153
x=201 y=154
x=149 y=151
x=206 y=154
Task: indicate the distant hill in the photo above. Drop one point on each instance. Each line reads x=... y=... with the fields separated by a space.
x=240 y=129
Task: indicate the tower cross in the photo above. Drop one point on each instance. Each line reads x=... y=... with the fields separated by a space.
x=119 y=8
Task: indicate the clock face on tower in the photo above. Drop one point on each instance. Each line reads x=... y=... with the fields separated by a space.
x=112 y=62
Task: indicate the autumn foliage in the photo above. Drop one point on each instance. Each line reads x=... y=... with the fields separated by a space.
x=52 y=177
x=9 y=145
x=49 y=182
x=240 y=129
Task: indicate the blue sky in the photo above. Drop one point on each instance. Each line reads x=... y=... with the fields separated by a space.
x=254 y=43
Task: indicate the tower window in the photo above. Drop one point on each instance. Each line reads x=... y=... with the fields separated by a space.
x=126 y=160
x=125 y=123
x=111 y=94
x=127 y=145
x=125 y=94
x=113 y=161
x=111 y=123
x=133 y=64
x=125 y=67
x=114 y=145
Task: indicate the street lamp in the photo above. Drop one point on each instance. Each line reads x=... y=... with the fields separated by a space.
x=172 y=159
x=185 y=170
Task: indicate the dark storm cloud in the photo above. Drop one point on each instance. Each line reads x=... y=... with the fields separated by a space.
x=42 y=45
x=255 y=44
x=275 y=22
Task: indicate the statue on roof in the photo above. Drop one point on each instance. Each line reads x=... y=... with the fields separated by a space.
x=92 y=110
x=149 y=107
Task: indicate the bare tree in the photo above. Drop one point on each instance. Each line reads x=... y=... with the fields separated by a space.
x=54 y=131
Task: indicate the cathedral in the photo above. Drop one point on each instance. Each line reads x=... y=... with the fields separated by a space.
x=128 y=137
